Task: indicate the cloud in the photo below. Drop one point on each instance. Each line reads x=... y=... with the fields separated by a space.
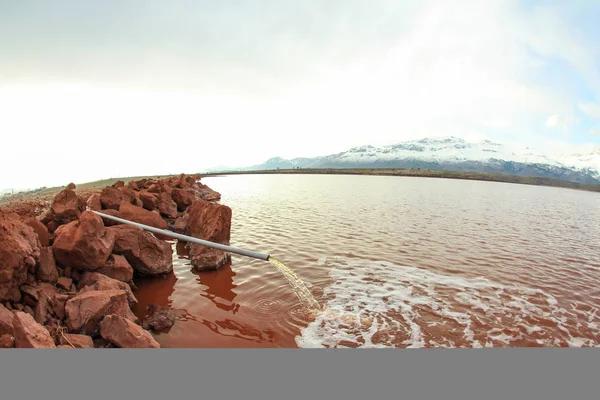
x=237 y=85
x=560 y=121
x=592 y=110
x=595 y=131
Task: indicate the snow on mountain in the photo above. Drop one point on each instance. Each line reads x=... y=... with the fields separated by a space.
x=452 y=153
x=448 y=150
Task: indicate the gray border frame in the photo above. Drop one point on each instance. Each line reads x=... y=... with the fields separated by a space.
x=515 y=373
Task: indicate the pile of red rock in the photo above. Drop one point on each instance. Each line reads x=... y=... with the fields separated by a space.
x=67 y=277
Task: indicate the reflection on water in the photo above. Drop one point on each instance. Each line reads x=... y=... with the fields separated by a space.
x=394 y=262
x=218 y=287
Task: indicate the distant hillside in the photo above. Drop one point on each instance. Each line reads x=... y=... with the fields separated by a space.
x=452 y=154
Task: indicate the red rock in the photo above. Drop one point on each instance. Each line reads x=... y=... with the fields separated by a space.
x=118 y=184
x=7 y=341
x=183 y=198
x=212 y=222
x=86 y=310
x=6 y=321
x=111 y=198
x=94 y=281
x=64 y=283
x=166 y=206
x=52 y=226
x=67 y=206
x=84 y=244
x=154 y=188
x=30 y=262
x=125 y=333
x=43 y=309
x=112 y=213
x=30 y=334
x=158 y=317
x=118 y=268
x=133 y=185
x=134 y=197
x=94 y=202
x=58 y=305
x=30 y=279
x=46 y=269
x=17 y=242
x=149 y=200
x=47 y=217
x=31 y=294
x=206 y=193
x=72 y=340
x=146 y=254
x=29 y=310
x=68 y=272
x=137 y=214
x=40 y=229
x=181 y=223
x=71 y=186
x=76 y=275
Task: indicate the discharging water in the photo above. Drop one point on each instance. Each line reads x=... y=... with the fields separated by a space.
x=304 y=295
x=392 y=262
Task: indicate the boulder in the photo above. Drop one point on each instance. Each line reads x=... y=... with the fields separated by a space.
x=154 y=188
x=140 y=215
x=206 y=193
x=64 y=283
x=183 y=198
x=47 y=217
x=146 y=254
x=124 y=333
x=46 y=269
x=181 y=223
x=67 y=206
x=85 y=311
x=149 y=200
x=112 y=213
x=7 y=341
x=166 y=206
x=19 y=244
x=43 y=309
x=112 y=198
x=71 y=186
x=134 y=197
x=30 y=334
x=58 y=305
x=94 y=203
x=84 y=244
x=212 y=222
x=40 y=229
x=91 y=281
x=6 y=321
x=118 y=184
x=73 y=340
x=31 y=294
x=158 y=317
x=118 y=268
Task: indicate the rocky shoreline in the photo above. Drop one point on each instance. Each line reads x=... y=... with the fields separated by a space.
x=67 y=275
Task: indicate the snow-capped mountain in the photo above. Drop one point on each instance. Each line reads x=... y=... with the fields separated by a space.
x=456 y=154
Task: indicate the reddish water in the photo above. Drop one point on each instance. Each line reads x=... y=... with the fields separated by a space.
x=394 y=262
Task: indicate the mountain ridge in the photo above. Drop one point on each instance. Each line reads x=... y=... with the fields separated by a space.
x=453 y=154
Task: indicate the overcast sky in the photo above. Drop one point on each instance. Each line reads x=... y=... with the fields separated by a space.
x=98 y=89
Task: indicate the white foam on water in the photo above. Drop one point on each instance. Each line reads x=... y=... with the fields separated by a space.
x=380 y=304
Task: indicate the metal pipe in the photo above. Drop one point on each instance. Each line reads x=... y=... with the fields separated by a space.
x=219 y=246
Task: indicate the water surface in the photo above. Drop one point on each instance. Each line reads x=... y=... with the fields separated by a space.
x=394 y=262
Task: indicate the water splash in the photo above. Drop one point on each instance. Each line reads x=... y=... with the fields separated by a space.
x=297 y=285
